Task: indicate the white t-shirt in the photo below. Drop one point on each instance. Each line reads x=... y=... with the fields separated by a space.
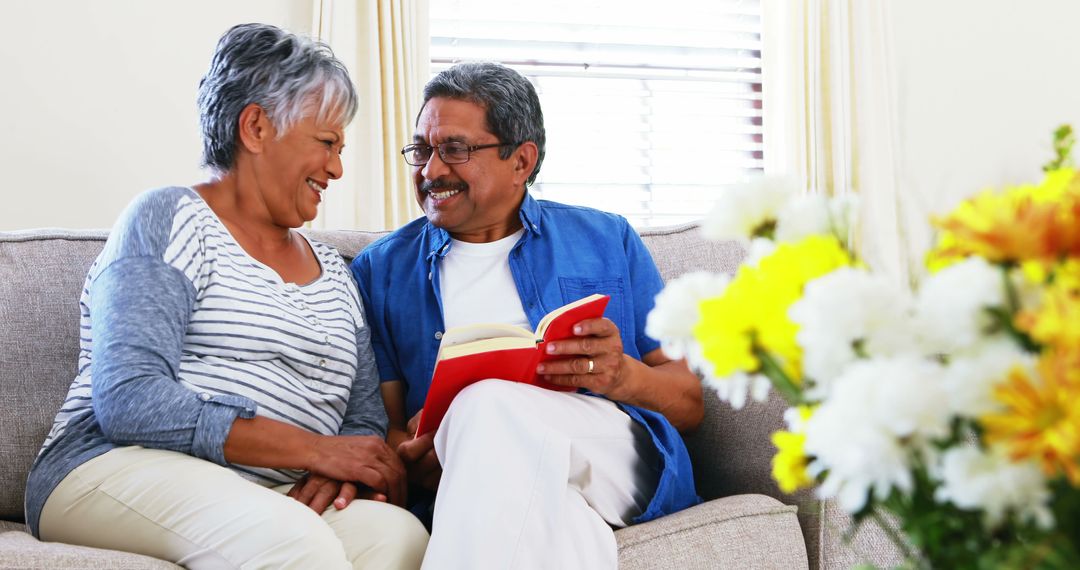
x=476 y=284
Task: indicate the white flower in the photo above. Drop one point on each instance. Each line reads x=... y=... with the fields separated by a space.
x=743 y=208
x=843 y=314
x=843 y=211
x=951 y=306
x=973 y=479
x=759 y=248
x=803 y=216
x=881 y=411
x=677 y=312
x=733 y=389
x=793 y=419
x=815 y=214
x=969 y=378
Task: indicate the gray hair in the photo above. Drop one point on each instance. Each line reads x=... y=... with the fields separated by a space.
x=289 y=76
x=512 y=107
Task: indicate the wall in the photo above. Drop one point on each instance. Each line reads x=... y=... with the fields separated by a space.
x=982 y=85
x=98 y=100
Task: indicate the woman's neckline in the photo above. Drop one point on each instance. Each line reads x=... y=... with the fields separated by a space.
x=266 y=268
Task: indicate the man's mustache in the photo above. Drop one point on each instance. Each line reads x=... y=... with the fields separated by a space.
x=429 y=186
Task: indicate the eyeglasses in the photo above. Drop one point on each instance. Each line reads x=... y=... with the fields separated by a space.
x=449 y=152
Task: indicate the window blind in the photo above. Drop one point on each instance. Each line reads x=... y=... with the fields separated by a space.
x=650 y=107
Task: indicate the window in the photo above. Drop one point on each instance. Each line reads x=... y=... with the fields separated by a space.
x=649 y=108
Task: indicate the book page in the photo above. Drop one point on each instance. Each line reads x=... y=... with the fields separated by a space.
x=486 y=345
x=470 y=333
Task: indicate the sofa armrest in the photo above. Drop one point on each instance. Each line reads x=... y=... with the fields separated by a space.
x=743 y=531
x=840 y=548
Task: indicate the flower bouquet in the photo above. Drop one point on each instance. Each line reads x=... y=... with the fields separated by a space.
x=951 y=408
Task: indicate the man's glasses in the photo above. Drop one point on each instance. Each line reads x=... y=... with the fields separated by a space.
x=449 y=152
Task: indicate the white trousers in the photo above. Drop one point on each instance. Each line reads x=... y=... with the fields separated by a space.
x=200 y=515
x=534 y=478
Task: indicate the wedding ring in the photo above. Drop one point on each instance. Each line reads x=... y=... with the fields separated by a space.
x=590 y=366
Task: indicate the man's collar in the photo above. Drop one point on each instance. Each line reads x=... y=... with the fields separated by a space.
x=530 y=219
x=439 y=240
x=530 y=214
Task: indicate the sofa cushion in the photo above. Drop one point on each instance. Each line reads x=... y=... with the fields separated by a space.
x=39 y=334
x=748 y=531
x=745 y=531
x=20 y=550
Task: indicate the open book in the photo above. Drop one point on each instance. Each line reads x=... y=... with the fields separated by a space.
x=477 y=352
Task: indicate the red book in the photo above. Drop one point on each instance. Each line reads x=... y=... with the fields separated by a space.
x=472 y=353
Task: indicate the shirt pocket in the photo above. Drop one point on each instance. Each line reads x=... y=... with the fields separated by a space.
x=574 y=288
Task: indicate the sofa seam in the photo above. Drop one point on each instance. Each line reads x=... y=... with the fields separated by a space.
x=780 y=511
x=665 y=231
x=11 y=238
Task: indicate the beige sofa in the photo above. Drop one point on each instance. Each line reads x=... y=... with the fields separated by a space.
x=745 y=523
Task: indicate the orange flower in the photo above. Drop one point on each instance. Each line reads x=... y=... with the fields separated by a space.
x=1023 y=223
x=1040 y=419
x=1056 y=322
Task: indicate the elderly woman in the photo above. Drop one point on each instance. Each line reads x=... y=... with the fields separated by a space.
x=226 y=412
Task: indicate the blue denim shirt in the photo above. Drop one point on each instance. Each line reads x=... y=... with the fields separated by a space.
x=566 y=253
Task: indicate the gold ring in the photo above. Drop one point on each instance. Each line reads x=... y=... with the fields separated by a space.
x=591 y=365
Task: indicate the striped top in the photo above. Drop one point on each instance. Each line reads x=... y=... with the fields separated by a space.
x=181 y=332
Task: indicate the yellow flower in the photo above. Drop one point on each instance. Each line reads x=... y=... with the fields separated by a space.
x=1056 y=322
x=789 y=463
x=752 y=312
x=1022 y=223
x=1040 y=419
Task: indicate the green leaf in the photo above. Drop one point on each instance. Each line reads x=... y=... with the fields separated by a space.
x=1064 y=140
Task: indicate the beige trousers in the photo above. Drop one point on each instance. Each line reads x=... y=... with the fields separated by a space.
x=198 y=514
x=535 y=479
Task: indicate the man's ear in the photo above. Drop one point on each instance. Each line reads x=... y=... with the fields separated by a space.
x=524 y=158
x=255 y=128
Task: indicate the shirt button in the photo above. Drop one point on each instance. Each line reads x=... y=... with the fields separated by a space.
x=204 y=397
x=438 y=335
x=326 y=339
x=429 y=276
x=322 y=363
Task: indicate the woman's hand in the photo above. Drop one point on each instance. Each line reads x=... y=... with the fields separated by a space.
x=365 y=459
x=319 y=492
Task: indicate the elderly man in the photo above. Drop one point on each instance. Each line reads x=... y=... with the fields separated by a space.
x=526 y=477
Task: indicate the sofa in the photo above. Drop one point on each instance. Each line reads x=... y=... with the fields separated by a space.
x=746 y=521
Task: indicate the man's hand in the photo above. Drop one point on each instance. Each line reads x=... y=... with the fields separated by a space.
x=595 y=359
x=362 y=458
x=418 y=453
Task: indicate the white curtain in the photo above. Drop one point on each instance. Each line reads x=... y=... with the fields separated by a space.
x=384 y=44
x=830 y=117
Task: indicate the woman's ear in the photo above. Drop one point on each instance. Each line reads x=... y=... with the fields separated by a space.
x=255 y=128
x=524 y=158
